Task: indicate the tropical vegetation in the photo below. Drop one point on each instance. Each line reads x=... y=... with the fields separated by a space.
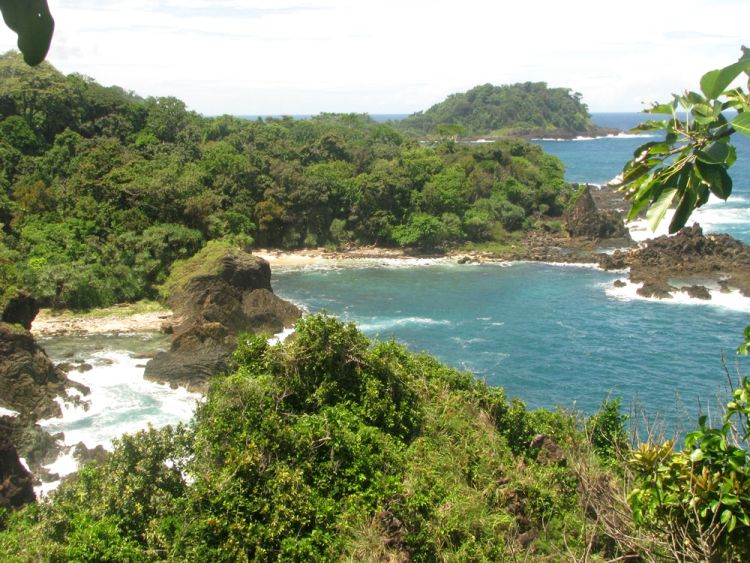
x=101 y=190
x=330 y=446
x=509 y=110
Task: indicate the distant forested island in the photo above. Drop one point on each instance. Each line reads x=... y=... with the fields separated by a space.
x=102 y=190
x=529 y=109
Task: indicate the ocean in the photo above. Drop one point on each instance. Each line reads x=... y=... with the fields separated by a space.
x=551 y=335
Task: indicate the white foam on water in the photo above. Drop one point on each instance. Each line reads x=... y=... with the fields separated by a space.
x=611 y=136
x=120 y=402
x=732 y=300
x=387 y=324
x=279 y=337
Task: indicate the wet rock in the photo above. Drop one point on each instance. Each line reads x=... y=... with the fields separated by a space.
x=16 y=483
x=692 y=255
x=654 y=290
x=29 y=381
x=619 y=283
x=697 y=292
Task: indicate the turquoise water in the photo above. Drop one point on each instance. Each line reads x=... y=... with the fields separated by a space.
x=554 y=335
x=551 y=335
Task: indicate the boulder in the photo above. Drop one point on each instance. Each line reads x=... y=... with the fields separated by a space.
x=16 y=483
x=588 y=220
x=548 y=452
x=655 y=290
x=697 y=292
x=20 y=309
x=231 y=294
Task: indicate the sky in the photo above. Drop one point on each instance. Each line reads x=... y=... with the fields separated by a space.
x=270 y=57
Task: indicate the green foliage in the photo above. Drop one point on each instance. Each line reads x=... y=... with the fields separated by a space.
x=509 y=109
x=325 y=447
x=110 y=189
x=701 y=494
x=203 y=262
x=692 y=161
x=606 y=429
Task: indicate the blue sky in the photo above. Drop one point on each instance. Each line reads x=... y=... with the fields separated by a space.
x=391 y=56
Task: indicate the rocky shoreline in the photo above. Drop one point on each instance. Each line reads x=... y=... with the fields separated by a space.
x=233 y=295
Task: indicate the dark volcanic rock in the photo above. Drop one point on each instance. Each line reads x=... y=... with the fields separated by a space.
x=697 y=292
x=689 y=256
x=20 y=309
x=587 y=219
x=657 y=291
x=16 y=484
x=194 y=356
x=211 y=311
x=29 y=381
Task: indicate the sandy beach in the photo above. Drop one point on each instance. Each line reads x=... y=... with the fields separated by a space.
x=319 y=256
x=51 y=323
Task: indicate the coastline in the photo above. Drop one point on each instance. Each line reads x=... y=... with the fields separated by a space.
x=128 y=319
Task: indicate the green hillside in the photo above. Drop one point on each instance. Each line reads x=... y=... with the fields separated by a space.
x=530 y=108
x=101 y=190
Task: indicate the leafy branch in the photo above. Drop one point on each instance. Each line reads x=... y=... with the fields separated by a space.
x=691 y=163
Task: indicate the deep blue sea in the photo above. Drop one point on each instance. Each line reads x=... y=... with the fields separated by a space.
x=554 y=335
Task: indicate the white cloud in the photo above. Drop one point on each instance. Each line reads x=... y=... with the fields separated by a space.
x=305 y=56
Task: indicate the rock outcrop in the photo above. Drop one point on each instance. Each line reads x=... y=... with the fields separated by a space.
x=690 y=258
x=20 y=309
x=594 y=219
x=210 y=311
x=29 y=381
x=16 y=483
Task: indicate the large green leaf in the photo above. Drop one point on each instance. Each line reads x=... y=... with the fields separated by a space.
x=659 y=208
x=741 y=123
x=716 y=153
x=684 y=208
x=32 y=21
x=715 y=82
x=715 y=175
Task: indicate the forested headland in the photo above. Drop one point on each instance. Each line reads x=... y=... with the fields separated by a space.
x=102 y=190
x=529 y=109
